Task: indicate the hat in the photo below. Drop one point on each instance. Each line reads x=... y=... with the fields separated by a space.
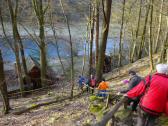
x=162 y=68
x=132 y=72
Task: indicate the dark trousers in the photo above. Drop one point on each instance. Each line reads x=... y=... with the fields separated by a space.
x=87 y=89
x=134 y=104
x=92 y=90
x=145 y=119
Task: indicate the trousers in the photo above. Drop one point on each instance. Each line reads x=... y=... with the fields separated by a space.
x=145 y=119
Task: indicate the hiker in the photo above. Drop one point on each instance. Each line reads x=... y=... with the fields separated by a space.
x=132 y=82
x=92 y=83
x=103 y=87
x=153 y=91
x=87 y=84
x=80 y=82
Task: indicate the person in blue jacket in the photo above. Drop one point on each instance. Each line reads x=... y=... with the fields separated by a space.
x=81 y=81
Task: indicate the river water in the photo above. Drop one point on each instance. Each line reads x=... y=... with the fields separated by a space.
x=32 y=49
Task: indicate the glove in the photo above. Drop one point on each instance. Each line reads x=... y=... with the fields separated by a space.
x=118 y=93
x=125 y=95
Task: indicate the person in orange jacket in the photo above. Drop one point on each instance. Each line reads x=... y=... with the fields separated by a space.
x=103 y=87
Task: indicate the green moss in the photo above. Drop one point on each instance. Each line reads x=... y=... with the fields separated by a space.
x=92 y=98
x=86 y=124
x=123 y=113
x=101 y=113
x=33 y=105
x=46 y=107
x=163 y=121
x=95 y=108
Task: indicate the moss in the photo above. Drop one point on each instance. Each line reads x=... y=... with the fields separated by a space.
x=46 y=107
x=163 y=121
x=86 y=124
x=93 y=98
x=33 y=105
x=123 y=113
x=96 y=98
x=95 y=108
x=101 y=113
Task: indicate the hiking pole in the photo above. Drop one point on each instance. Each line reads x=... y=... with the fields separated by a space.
x=111 y=113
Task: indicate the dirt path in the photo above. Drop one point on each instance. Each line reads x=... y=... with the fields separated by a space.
x=70 y=112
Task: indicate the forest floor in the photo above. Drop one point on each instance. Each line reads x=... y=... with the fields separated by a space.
x=73 y=112
x=64 y=113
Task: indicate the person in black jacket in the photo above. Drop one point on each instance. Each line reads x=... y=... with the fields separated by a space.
x=133 y=81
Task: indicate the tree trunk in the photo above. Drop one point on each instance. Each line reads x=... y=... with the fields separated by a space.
x=56 y=43
x=43 y=59
x=137 y=33
x=132 y=45
x=159 y=27
x=97 y=30
x=143 y=34
x=57 y=49
x=3 y=87
x=150 y=38
x=40 y=12
x=164 y=46
x=163 y=49
x=92 y=22
x=71 y=47
x=23 y=57
x=85 y=46
x=105 y=29
x=121 y=36
x=13 y=16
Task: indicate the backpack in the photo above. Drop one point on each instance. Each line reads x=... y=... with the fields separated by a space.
x=147 y=85
x=144 y=90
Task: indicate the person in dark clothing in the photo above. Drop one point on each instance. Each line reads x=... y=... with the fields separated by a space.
x=80 y=82
x=88 y=84
x=133 y=81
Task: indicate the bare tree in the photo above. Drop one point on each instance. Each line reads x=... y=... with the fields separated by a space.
x=71 y=46
x=121 y=35
x=3 y=87
x=85 y=44
x=40 y=13
x=97 y=29
x=144 y=33
x=163 y=49
x=150 y=33
x=17 y=41
x=159 y=27
x=106 y=20
x=137 y=33
x=92 y=23
x=56 y=41
x=164 y=46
